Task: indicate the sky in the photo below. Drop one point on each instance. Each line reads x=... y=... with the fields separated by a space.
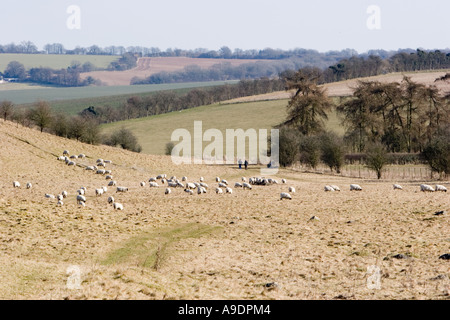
x=322 y=25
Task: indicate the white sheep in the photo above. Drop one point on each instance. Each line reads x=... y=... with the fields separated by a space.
x=204 y=185
x=336 y=188
x=64 y=194
x=184 y=179
x=101 y=164
x=71 y=163
x=292 y=189
x=440 y=188
x=224 y=181
x=99 y=192
x=112 y=183
x=108 y=171
x=229 y=190
x=201 y=190
x=167 y=191
x=219 y=190
x=245 y=185
x=117 y=206
x=191 y=185
x=81 y=198
x=73 y=157
x=355 y=187
x=237 y=185
x=397 y=187
x=217 y=179
x=107 y=161
x=285 y=195
x=81 y=156
x=172 y=184
x=65 y=152
x=121 y=189
x=29 y=185
x=152 y=179
x=81 y=192
x=201 y=179
x=60 y=197
x=110 y=199
x=222 y=185
x=109 y=177
x=142 y=184
x=91 y=168
x=160 y=176
x=426 y=188
x=328 y=188
x=244 y=179
x=100 y=171
x=99 y=160
x=283 y=181
x=153 y=185
x=60 y=203
x=50 y=196
x=189 y=191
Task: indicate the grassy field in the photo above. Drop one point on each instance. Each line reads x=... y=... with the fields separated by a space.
x=154 y=132
x=54 y=61
x=74 y=99
x=247 y=245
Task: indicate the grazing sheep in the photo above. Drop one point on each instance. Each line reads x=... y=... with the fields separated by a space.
x=426 y=188
x=184 y=179
x=222 y=185
x=225 y=182
x=160 y=176
x=65 y=152
x=169 y=183
x=229 y=190
x=99 y=160
x=201 y=190
x=108 y=171
x=59 y=197
x=71 y=163
x=152 y=179
x=201 y=179
x=237 y=185
x=117 y=206
x=50 y=196
x=64 y=194
x=153 y=185
x=81 y=203
x=101 y=164
x=440 y=188
x=244 y=179
x=81 y=156
x=29 y=185
x=217 y=179
x=191 y=185
x=285 y=195
x=61 y=158
x=283 y=180
x=355 y=187
x=60 y=203
x=142 y=184
x=73 y=157
x=112 y=183
x=110 y=199
x=91 y=168
x=328 y=188
x=189 y=191
x=397 y=187
x=80 y=192
x=246 y=186
x=219 y=190
x=107 y=161
x=167 y=191
x=336 y=188
x=292 y=189
x=204 y=185
x=121 y=189
x=81 y=198
x=100 y=171
x=105 y=189
x=109 y=177
x=99 y=192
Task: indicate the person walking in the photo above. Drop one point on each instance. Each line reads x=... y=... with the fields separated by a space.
x=246 y=164
x=240 y=163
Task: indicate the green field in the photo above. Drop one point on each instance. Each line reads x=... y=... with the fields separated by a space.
x=155 y=132
x=54 y=61
x=74 y=99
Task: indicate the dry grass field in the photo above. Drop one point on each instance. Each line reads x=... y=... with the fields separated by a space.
x=245 y=245
x=148 y=66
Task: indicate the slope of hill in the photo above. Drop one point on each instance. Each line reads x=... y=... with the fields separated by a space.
x=148 y=66
x=244 y=245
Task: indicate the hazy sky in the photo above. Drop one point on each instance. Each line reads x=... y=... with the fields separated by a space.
x=322 y=25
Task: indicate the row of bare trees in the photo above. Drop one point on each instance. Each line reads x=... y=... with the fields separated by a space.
x=379 y=118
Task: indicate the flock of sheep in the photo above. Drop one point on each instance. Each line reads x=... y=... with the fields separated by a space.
x=189 y=187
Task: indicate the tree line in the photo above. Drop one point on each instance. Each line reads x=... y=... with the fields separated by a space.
x=379 y=118
x=170 y=101
x=66 y=77
x=79 y=127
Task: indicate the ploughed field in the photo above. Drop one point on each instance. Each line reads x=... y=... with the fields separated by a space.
x=378 y=243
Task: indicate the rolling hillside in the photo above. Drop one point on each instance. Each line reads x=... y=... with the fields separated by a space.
x=244 y=245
